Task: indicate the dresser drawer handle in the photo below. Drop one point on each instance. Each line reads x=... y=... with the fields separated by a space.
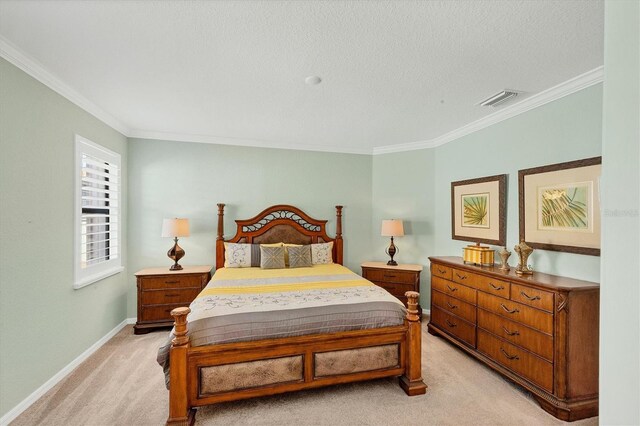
x=509 y=356
x=451 y=288
x=171 y=295
x=493 y=286
x=462 y=277
x=508 y=310
x=172 y=282
x=451 y=324
x=511 y=333
x=529 y=297
x=452 y=306
x=442 y=271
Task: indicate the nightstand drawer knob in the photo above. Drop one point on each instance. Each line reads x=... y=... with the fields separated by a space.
x=171 y=295
x=172 y=282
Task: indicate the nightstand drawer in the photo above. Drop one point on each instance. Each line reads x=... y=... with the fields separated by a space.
x=397 y=290
x=170 y=281
x=159 y=297
x=390 y=276
x=158 y=312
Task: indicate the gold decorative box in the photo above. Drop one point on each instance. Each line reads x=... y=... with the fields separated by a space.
x=477 y=254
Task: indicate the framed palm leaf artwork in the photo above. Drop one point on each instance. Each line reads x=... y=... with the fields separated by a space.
x=560 y=206
x=478 y=210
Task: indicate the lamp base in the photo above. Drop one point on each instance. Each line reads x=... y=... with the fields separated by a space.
x=391 y=251
x=175 y=253
x=392 y=263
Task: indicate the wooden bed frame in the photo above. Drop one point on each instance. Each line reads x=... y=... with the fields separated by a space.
x=284 y=223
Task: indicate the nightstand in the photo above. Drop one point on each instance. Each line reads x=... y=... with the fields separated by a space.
x=161 y=290
x=395 y=279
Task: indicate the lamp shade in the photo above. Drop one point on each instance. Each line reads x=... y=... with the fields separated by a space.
x=175 y=227
x=392 y=228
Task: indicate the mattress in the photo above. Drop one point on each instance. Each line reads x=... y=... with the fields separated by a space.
x=244 y=304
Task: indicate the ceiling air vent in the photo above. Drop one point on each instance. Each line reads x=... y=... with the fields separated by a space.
x=499 y=98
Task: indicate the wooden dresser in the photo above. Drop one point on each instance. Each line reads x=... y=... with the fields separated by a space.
x=397 y=280
x=160 y=290
x=541 y=331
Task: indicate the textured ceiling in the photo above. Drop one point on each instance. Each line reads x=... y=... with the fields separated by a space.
x=392 y=72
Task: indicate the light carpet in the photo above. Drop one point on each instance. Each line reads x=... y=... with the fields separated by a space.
x=121 y=384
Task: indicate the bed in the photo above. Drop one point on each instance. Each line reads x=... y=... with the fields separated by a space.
x=254 y=332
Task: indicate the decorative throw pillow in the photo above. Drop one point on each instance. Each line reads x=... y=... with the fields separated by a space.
x=237 y=255
x=271 y=257
x=255 y=255
x=322 y=253
x=286 y=251
x=299 y=256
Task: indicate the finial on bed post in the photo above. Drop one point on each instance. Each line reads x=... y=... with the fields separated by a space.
x=411 y=382
x=179 y=411
x=180 y=324
x=338 y=242
x=220 y=221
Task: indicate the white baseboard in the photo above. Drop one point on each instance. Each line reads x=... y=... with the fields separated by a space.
x=426 y=312
x=28 y=401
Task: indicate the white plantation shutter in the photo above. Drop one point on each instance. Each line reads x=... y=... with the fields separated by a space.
x=98 y=208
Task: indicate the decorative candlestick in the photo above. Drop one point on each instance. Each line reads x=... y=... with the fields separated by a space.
x=504 y=258
x=524 y=251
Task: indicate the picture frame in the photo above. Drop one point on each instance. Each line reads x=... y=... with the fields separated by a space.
x=479 y=210
x=559 y=206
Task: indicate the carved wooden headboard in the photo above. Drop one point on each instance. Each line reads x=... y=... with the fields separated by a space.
x=280 y=223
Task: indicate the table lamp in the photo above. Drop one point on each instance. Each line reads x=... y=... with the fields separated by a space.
x=175 y=228
x=392 y=228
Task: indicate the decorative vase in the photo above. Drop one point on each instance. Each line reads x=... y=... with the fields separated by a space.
x=524 y=251
x=504 y=258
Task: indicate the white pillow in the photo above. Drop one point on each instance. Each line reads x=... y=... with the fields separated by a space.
x=237 y=255
x=322 y=253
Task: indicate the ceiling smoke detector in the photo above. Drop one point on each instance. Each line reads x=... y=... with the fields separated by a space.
x=499 y=98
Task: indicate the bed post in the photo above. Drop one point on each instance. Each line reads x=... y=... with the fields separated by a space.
x=338 y=244
x=411 y=382
x=179 y=411
x=220 y=237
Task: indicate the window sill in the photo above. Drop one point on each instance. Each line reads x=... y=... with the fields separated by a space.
x=97 y=277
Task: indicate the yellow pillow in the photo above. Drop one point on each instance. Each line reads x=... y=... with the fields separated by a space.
x=286 y=252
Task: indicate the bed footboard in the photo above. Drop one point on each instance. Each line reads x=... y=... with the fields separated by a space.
x=210 y=374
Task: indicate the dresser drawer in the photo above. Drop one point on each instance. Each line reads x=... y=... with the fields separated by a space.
x=387 y=276
x=464 y=277
x=454 y=306
x=456 y=290
x=532 y=368
x=160 y=297
x=158 y=312
x=491 y=285
x=455 y=326
x=170 y=281
x=517 y=312
x=533 y=297
x=440 y=271
x=518 y=334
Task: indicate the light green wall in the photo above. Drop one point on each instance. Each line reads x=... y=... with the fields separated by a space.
x=403 y=186
x=619 y=304
x=169 y=179
x=44 y=322
x=416 y=185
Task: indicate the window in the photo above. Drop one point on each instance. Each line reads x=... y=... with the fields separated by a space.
x=98 y=226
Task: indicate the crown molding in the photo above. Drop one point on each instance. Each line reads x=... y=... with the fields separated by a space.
x=254 y=143
x=36 y=70
x=561 y=90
